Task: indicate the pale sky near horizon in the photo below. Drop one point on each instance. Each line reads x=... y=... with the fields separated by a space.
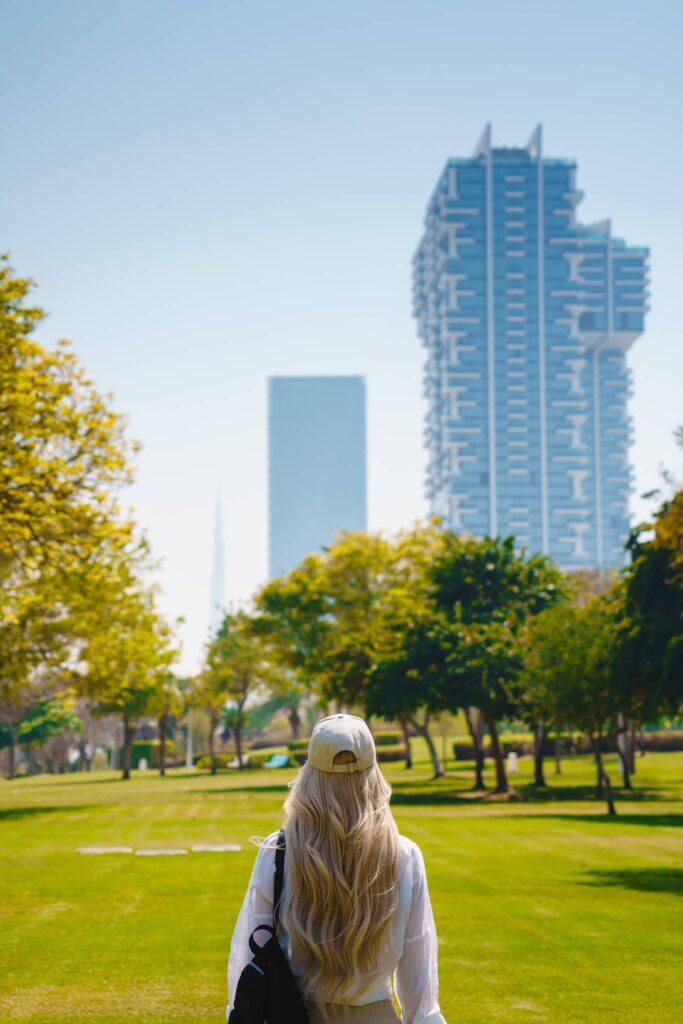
x=208 y=193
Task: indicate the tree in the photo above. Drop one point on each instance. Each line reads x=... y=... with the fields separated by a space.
x=484 y=662
x=549 y=656
x=405 y=682
x=63 y=456
x=649 y=650
x=167 y=704
x=125 y=664
x=485 y=591
x=47 y=717
x=63 y=450
x=577 y=654
x=290 y=621
x=235 y=671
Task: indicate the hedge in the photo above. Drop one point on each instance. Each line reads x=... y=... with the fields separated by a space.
x=382 y=739
x=395 y=752
x=388 y=739
x=149 y=749
x=224 y=760
x=570 y=743
x=297 y=745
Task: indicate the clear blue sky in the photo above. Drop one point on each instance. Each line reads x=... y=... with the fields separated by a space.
x=210 y=192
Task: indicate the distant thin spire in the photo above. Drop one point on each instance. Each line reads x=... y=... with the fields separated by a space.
x=217 y=603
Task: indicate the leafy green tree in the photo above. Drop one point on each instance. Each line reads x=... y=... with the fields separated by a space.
x=485 y=591
x=550 y=660
x=125 y=663
x=406 y=682
x=235 y=672
x=291 y=622
x=48 y=716
x=572 y=647
x=649 y=653
x=167 y=703
x=484 y=662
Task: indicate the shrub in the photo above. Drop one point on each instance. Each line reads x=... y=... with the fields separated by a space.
x=222 y=761
x=149 y=749
x=388 y=739
x=259 y=760
x=395 y=752
x=297 y=745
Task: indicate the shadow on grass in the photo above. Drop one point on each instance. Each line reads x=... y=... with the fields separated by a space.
x=535 y=794
x=601 y=817
x=19 y=813
x=440 y=792
x=243 y=789
x=48 y=781
x=668 y=880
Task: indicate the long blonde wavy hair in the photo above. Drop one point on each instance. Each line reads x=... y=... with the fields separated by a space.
x=340 y=870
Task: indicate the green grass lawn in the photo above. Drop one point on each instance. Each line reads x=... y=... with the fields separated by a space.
x=546 y=909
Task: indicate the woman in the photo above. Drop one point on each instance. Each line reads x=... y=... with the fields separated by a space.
x=355 y=908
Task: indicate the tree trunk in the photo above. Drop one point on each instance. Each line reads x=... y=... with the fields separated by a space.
x=83 y=759
x=403 y=719
x=128 y=736
x=12 y=765
x=623 y=749
x=501 y=778
x=558 y=765
x=163 y=729
x=632 y=749
x=237 y=730
x=294 y=721
x=423 y=730
x=603 y=787
x=539 y=739
x=475 y=724
x=606 y=785
x=213 y=722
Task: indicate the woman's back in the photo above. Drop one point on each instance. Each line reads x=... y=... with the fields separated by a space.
x=355 y=907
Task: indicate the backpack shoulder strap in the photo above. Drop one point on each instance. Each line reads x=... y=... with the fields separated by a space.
x=279 y=876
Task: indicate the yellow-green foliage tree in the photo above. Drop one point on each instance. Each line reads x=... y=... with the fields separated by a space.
x=235 y=671
x=63 y=455
x=74 y=608
x=125 y=663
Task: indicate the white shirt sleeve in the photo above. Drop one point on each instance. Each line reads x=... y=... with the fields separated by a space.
x=257 y=908
x=416 y=976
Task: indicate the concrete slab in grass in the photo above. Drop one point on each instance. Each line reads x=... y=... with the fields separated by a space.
x=161 y=853
x=216 y=848
x=92 y=850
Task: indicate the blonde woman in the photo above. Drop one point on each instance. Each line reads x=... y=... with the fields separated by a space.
x=355 y=909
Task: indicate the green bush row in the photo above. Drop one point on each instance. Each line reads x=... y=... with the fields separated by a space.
x=149 y=749
x=395 y=752
x=570 y=743
x=223 y=760
x=388 y=739
x=382 y=739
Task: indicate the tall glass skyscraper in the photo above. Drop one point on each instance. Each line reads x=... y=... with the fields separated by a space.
x=316 y=464
x=526 y=316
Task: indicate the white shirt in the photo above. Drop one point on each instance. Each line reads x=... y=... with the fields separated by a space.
x=410 y=949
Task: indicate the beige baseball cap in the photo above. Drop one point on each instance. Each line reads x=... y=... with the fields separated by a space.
x=336 y=733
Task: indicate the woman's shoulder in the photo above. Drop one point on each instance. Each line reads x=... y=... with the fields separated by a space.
x=265 y=851
x=409 y=846
x=410 y=854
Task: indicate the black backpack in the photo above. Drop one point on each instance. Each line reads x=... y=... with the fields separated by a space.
x=267 y=992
